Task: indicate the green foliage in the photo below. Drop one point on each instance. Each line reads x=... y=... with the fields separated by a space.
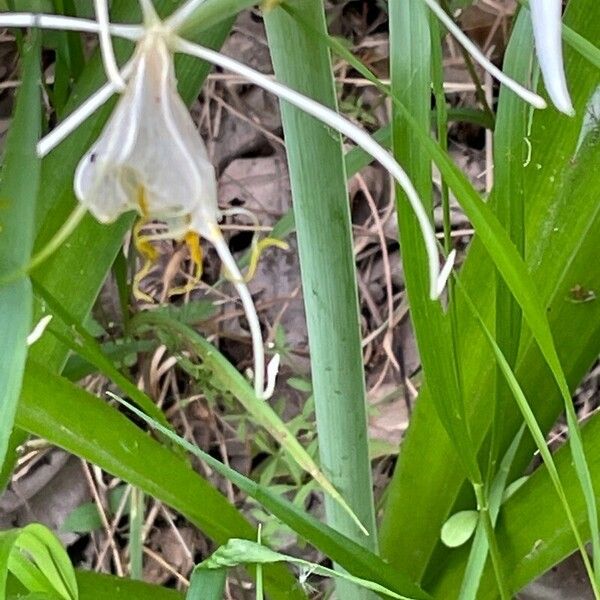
x=501 y=355
x=19 y=184
x=35 y=557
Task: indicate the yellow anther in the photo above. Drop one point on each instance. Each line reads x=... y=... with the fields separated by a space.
x=142 y=201
x=257 y=249
x=150 y=254
x=142 y=243
x=192 y=241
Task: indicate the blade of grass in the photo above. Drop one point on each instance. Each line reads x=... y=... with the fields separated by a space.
x=410 y=52
x=508 y=198
x=19 y=187
x=323 y=225
x=479 y=549
x=540 y=440
x=136 y=526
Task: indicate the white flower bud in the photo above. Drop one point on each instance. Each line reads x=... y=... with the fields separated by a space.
x=150 y=156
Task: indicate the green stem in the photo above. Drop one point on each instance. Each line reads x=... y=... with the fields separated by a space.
x=136 y=522
x=484 y=515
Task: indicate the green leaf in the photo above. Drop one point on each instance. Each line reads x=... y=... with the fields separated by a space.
x=66 y=415
x=562 y=212
x=86 y=517
x=19 y=185
x=244 y=552
x=325 y=248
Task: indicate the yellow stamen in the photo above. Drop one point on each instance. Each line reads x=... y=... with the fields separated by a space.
x=145 y=248
x=257 y=249
x=142 y=201
x=268 y=5
x=192 y=241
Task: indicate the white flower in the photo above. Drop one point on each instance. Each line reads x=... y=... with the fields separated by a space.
x=150 y=157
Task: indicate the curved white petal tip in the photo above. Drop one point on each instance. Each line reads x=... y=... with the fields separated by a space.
x=272 y=372
x=444 y=275
x=546 y=19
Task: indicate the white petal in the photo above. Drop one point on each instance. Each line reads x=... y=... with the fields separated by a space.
x=38 y=330
x=546 y=19
x=150 y=143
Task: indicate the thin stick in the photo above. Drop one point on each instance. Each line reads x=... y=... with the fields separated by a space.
x=103 y=518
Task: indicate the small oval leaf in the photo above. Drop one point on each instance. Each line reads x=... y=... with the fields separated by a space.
x=459 y=528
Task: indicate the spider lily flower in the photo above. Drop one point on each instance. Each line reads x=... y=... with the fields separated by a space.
x=151 y=159
x=547 y=24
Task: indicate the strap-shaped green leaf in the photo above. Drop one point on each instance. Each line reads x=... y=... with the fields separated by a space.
x=19 y=186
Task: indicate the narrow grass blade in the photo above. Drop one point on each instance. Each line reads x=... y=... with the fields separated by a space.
x=479 y=548
x=136 y=526
x=540 y=440
x=509 y=200
x=19 y=187
x=410 y=48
